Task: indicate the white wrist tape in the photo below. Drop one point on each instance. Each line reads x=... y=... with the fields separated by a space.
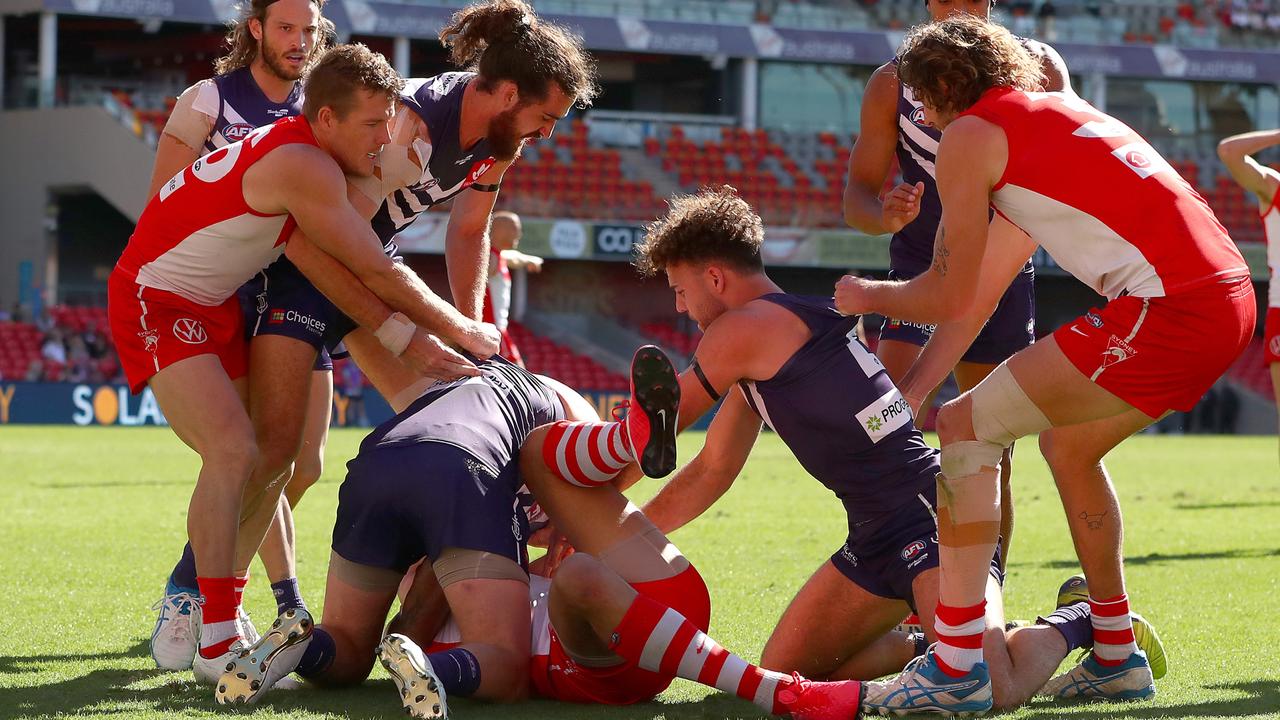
x=395 y=333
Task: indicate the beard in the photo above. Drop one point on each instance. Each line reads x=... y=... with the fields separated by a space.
x=275 y=62
x=505 y=141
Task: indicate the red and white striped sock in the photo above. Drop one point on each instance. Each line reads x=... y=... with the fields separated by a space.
x=1113 y=641
x=219 y=630
x=586 y=454
x=241 y=581
x=661 y=640
x=960 y=632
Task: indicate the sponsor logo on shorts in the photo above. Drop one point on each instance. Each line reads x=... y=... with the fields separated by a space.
x=314 y=325
x=1117 y=352
x=150 y=340
x=913 y=548
x=848 y=555
x=189 y=331
x=888 y=413
x=1275 y=345
x=922 y=327
x=237 y=132
x=1093 y=320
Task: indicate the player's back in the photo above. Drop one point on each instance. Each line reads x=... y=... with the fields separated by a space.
x=198 y=237
x=835 y=407
x=1101 y=200
x=450 y=168
x=489 y=416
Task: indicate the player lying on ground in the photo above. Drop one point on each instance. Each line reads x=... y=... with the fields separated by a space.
x=620 y=624
x=831 y=401
x=892 y=124
x=453 y=137
x=219 y=221
x=1112 y=212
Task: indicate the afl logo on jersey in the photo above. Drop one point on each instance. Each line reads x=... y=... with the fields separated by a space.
x=917 y=117
x=237 y=132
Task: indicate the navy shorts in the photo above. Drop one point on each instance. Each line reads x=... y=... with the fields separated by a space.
x=883 y=556
x=281 y=301
x=401 y=503
x=1011 y=328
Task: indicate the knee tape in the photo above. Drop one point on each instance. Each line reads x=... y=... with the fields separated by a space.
x=1002 y=412
x=456 y=564
x=969 y=511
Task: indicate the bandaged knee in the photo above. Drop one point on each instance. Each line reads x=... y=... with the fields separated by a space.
x=1002 y=412
x=458 y=564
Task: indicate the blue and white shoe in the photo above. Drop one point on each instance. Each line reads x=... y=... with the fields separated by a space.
x=1130 y=680
x=177 y=632
x=922 y=687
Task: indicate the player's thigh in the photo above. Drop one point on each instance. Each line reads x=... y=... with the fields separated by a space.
x=897 y=357
x=1083 y=445
x=356 y=612
x=492 y=612
x=1059 y=389
x=593 y=519
x=203 y=406
x=827 y=622
x=280 y=370
x=390 y=377
x=969 y=374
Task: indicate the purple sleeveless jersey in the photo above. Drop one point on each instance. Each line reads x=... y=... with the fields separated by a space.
x=835 y=407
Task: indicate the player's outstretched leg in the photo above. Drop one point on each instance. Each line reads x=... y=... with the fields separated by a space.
x=421 y=691
x=260 y=666
x=923 y=687
x=593 y=453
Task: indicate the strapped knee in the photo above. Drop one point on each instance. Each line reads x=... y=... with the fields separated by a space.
x=1002 y=412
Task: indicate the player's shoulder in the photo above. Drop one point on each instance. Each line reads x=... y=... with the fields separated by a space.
x=883 y=83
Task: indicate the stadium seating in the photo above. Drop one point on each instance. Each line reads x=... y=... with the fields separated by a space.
x=669 y=335
x=577 y=371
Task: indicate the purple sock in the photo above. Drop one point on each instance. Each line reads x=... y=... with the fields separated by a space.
x=1074 y=622
x=319 y=655
x=458 y=670
x=184 y=573
x=287 y=595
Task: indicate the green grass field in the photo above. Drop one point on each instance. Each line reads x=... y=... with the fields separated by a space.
x=93 y=521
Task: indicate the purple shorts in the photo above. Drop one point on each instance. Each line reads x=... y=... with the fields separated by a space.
x=1011 y=327
x=400 y=503
x=885 y=554
x=281 y=301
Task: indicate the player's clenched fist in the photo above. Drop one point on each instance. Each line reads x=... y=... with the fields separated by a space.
x=853 y=295
x=901 y=206
x=482 y=340
x=434 y=359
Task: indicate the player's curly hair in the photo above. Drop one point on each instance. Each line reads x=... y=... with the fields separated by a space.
x=242 y=46
x=950 y=64
x=714 y=225
x=342 y=71
x=506 y=40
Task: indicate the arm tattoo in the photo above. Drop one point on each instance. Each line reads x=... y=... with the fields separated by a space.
x=941 y=253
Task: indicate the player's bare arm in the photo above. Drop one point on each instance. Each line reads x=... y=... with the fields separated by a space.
x=971 y=159
x=1008 y=249
x=304 y=182
x=182 y=141
x=699 y=484
x=466 y=245
x=1236 y=151
x=872 y=159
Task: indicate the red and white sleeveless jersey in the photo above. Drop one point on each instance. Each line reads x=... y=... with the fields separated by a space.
x=1271 y=227
x=198 y=238
x=1101 y=200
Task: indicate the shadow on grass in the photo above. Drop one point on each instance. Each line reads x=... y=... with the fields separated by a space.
x=110 y=692
x=1228 y=505
x=1262 y=697
x=111 y=484
x=1158 y=558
